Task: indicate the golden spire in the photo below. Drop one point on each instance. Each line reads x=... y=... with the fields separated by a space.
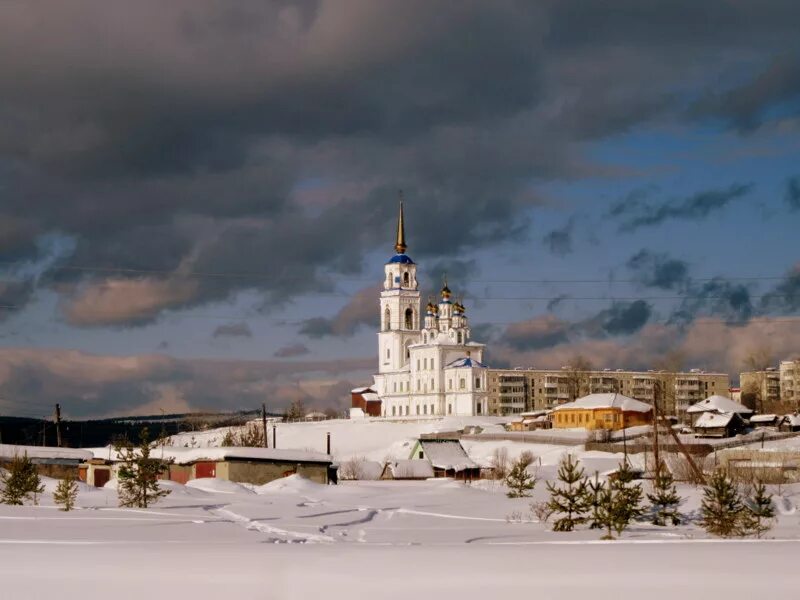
x=400 y=244
x=445 y=290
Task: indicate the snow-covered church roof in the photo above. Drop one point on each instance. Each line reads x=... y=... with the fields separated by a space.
x=465 y=361
x=607 y=401
x=719 y=404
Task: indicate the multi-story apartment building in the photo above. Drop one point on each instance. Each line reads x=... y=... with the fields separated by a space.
x=760 y=387
x=789 y=371
x=518 y=390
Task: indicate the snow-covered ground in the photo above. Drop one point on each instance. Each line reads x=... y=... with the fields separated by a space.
x=293 y=538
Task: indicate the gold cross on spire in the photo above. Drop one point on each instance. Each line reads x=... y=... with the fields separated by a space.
x=400 y=244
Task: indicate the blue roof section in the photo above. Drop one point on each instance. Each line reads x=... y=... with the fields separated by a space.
x=403 y=259
x=465 y=362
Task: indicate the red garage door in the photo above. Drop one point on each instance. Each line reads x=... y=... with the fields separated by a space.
x=101 y=477
x=205 y=469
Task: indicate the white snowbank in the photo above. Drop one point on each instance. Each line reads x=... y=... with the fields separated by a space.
x=219 y=486
x=293 y=484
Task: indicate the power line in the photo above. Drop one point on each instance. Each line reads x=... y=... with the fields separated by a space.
x=283 y=278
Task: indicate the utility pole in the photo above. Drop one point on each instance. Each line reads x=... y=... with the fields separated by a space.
x=264 y=424
x=658 y=390
x=58 y=425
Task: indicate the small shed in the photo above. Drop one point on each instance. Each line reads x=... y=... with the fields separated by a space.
x=50 y=462
x=790 y=423
x=717 y=404
x=365 y=399
x=448 y=459
x=764 y=421
x=719 y=425
x=408 y=469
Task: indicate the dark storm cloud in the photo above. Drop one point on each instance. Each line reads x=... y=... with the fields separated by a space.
x=622 y=318
x=547 y=331
x=233 y=330
x=634 y=212
x=658 y=270
x=360 y=310
x=744 y=106
x=716 y=298
x=784 y=298
x=793 y=193
x=296 y=349
x=559 y=241
x=186 y=143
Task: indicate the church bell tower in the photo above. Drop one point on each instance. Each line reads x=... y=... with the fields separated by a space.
x=399 y=305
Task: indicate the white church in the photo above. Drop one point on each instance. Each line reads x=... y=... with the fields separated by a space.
x=427 y=364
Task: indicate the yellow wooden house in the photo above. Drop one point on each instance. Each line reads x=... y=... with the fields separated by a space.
x=602 y=411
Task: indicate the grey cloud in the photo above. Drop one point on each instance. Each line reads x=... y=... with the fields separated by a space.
x=658 y=270
x=360 y=310
x=793 y=193
x=547 y=331
x=744 y=107
x=88 y=385
x=718 y=298
x=291 y=350
x=559 y=241
x=144 y=138
x=635 y=213
x=784 y=298
x=233 y=330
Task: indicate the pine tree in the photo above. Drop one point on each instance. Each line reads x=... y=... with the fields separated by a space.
x=21 y=481
x=138 y=474
x=759 y=513
x=722 y=508
x=664 y=500
x=627 y=498
x=594 y=490
x=568 y=499
x=606 y=509
x=66 y=493
x=519 y=480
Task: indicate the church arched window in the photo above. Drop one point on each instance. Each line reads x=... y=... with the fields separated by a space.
x=424 y=338
x=405 y=279
x=459 y=337
x=409 y=318
x=387 y=319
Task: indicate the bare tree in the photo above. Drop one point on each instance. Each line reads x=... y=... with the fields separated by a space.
x=577 y=377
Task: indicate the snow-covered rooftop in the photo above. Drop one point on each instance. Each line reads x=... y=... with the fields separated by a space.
x=370 y=396
x=182 y=456
x=607 y=401
x=8 y=451
x=763 y=418
x=447 y=454
x=712 y=419
x=719 y=403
